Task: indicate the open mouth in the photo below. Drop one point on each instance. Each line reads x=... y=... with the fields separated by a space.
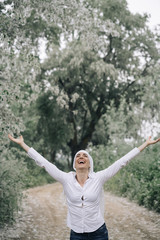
x=81 y=162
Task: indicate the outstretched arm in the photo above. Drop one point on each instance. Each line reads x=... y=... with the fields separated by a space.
x=19 y=141
x=40 y=160
x=147 y=143
x=116 y=166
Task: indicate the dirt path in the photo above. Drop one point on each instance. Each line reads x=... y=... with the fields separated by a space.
x=44 y=218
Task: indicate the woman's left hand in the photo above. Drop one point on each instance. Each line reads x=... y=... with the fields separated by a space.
x=150 y=141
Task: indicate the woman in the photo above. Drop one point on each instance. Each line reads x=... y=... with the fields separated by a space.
x=84 y=189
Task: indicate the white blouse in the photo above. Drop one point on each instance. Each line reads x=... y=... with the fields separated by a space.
x=85 y=212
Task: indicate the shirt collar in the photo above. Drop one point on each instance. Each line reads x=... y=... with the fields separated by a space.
x=90 y=175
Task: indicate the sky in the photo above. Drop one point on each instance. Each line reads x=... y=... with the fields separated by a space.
x=151 y=7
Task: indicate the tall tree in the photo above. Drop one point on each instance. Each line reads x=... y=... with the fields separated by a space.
x=108 y=54
x=84 y=79
x=23 y=25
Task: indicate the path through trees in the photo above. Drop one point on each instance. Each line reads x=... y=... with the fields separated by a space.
x=44 y=218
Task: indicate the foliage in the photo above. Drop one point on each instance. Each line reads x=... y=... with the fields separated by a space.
x=142 y=180
x=151 y=103
x=85 y=79
x=17 y=173
x=17 y=90
x=139 y=181
x=85 y=82
x=12 y=174
x=20 y=34
x=103 y=72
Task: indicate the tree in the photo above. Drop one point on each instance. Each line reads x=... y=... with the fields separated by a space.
x=85 y=80
x=102 y=60
x=23 y=24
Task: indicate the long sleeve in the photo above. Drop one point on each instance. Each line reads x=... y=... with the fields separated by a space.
x=116 y=166
x=49 y=167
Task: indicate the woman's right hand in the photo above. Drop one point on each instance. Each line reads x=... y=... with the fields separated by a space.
x=19 y=141
x=16 y=140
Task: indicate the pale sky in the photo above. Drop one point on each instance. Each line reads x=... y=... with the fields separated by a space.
x=146 y=6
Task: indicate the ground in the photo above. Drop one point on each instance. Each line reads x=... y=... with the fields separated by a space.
x=44 y=218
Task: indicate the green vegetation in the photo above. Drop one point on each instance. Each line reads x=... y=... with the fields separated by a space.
x=12 y=173
x=139 y=180
x=96 y=89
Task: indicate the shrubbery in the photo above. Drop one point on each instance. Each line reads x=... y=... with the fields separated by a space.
x=139 y=181
x=12 y=174
x=17 y=172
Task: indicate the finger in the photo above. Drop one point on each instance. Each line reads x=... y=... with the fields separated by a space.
x=9 y=135
x=149 y=139
x=21 y=138
x=157 y=140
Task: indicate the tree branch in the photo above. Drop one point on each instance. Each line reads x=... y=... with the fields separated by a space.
x=106 y=58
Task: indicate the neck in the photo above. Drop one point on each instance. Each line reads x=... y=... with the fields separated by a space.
x=82 y=176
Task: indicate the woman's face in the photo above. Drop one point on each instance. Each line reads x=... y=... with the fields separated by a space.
x=82 y=161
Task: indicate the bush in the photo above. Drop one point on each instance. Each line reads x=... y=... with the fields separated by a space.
x=148 y=179
x=17 y=173
x=139 y=180
x=12 y=173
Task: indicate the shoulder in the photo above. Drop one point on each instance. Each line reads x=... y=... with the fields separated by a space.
x=71 y=174
x=92 y=175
